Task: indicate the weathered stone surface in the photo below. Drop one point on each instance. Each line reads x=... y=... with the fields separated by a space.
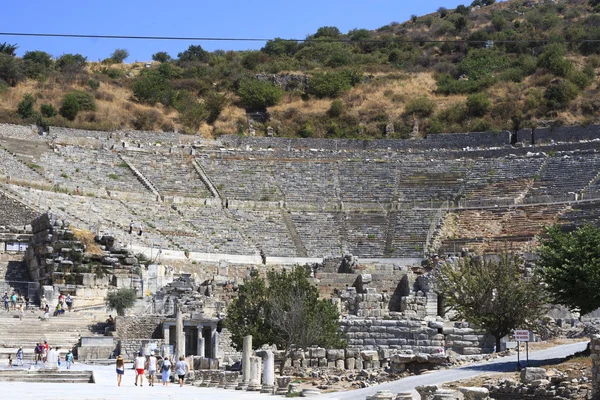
x=531 y=374
x=474 y=393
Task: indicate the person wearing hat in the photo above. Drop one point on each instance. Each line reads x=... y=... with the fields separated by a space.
x=120 y=369
x=140 y=364
x=152 y=364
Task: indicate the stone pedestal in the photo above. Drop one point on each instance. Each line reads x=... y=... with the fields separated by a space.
x=310 y=392
x=283 y=383
x=293 y=388
x=268 y=378
x=404 y=396
x=254 y=384
x=246 y=353
x=381 y=395
x=206 y=377
x=231 y=379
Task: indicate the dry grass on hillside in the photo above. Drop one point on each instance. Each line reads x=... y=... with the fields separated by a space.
x=87 y=238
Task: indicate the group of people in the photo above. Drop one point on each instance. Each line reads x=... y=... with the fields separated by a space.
x=15 y=302
x=153 y=365
x=132 y=227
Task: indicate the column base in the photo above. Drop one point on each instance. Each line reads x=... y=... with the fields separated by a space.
x=267 y=389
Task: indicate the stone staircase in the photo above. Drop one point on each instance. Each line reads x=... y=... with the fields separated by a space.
x=46 y=375
x=62 y=331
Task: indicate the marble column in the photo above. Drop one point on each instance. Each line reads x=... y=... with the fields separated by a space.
x=254 y=384
x=268 y=378
x=246 y=353
x=180 y=336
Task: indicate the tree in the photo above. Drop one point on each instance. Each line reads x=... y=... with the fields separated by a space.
x=161 y=56
x=121 y=300
x=194 y=53
x=37 y=63
x=569 y=264
x=71 y=62
x=330 y=32
x=11 y=69
x=478 y=104
x=48 y=110
x=492 y=294
x=8 y=49
x=25 y=106
x=258 y=95
x=119 y=55
x=287 y=313
x=70 y=107
x=329 y=84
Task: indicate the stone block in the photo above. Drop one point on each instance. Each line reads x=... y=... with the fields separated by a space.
x=369 y=355
x=317 y=352
x=531 y=374
x=474 y=393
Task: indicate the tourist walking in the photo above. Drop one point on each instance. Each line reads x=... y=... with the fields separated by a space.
x=140 y=231
x=5 y=298
x=27 y=302
x=37 y=352
x=131 y=227
x=9 y=360
x=21 y=312
x=152 y=364
x=181 y=369
x=20 y=356
x=69 y=302
x=121 y=369
x=165 y=371
x=45 y=348
x=69 y=359
x=13 y=301
x=140 y=363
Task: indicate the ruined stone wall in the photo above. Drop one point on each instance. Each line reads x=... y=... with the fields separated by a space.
x=129 y=348
x=28 y=132
x=595 y=355
x=226 y=350
x=139 y=326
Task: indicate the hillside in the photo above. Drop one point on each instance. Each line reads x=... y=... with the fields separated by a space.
x=476 y=68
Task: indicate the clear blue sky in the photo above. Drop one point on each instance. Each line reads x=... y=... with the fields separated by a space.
x=191 y=18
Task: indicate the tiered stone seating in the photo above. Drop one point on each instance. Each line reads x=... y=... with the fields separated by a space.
x=578 y=214
x=11 y=167
x=267 y=230
x=243 y=179
x=91 y=170
x=172 y=175
x=410 y=232
x=426 y=180
x=319 y=232
x=366 y=233
x=365 y=182
x=500 y=178
x=307 y=181
x=563 y=176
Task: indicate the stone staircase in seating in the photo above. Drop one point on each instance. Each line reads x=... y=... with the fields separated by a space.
x=62 y=331
x=46 y=375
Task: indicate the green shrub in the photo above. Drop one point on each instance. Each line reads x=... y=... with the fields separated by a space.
x=38 y=64
x=329 y=84
x=258 y=95
x=71 y=62
x=481 y=62
x=119 y=55
x=150 y=87
x=307 y=130
x=336 y=108
x=559 y=94
x=161 y=56
x=454 y=114
x=478 y=104
x=70 y=107
x=420 y=106
x=94 y=84
x=553 y=59
x=25 y=106
x=121 y=300
x=446 y=84
x=580 y=78
x=194 y=53
x=512 y=75
x=112 y=73
x=479 y=125
x=86 y=101
x=11 y=69
x=214 y=104
x=48 y=110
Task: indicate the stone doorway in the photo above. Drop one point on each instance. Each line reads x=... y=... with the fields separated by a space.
x=208 y=343
x=191 y=340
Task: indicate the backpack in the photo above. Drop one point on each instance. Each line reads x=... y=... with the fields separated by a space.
x=166 y=366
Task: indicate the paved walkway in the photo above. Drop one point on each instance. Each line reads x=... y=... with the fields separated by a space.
x=106 y=386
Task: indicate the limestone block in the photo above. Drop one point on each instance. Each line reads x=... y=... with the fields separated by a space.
x=381 y=395
x=474 y=393
x=335 y=354
x=350 y=363
x=531 y=374
x=339 y=364
x=469 y=351
x=317 y=352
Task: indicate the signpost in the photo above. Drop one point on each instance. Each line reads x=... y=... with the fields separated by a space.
x=522 y=335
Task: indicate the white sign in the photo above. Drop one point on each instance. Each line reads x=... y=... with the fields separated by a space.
x=521 y=335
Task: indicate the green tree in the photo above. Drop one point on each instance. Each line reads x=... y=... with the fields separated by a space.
x=8 y=49
x=330 y=32
x=492 y=294
x=287 y=313
x=553 y=59
x=25 y=106
x=48 y=110
x=161 y=56
x=194 y=53
x=71 y=63
x=11 y=69
x=150 y=87
x=214 y=103
x=70 y=107
x=119 y=55
x=329 y=84
x=569 y=264
x=478 y=104
x=38 y=64
x=258 y=95
x=121 y=300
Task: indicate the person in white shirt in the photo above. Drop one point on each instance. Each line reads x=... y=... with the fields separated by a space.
x=140 y=363
x=152 y=363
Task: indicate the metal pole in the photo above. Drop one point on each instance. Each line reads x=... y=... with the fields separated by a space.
x=518 y=356
x=527 y=353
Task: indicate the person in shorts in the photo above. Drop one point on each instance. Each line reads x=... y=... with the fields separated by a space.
x=152 y=364
x=120 y=369
x=181 y=369
x=139 y=363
